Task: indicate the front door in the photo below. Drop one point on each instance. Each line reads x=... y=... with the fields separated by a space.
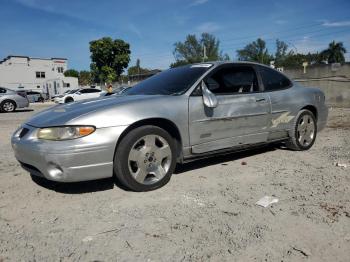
x=242 y=114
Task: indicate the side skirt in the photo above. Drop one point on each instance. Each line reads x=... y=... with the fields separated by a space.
x=231 y=150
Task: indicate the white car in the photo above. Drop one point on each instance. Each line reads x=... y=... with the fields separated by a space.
x=77 y=95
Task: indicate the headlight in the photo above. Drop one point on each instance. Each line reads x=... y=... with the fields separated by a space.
x=64 y=132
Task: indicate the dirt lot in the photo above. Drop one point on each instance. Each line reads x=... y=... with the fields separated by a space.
x=206 y=212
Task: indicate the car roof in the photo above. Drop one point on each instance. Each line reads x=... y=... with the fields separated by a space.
x=216 y=63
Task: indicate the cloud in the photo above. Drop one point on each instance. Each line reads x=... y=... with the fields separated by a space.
x=135 y=30
x=280 y=22
x=208 y=27
x=336 y=24
x=198 y=2
x=51 y=7
x=307 y=44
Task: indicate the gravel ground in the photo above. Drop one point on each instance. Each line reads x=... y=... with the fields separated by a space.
x=206 y=213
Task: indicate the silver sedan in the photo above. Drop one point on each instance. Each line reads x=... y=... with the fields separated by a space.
x=179 y=115
x=10 y=100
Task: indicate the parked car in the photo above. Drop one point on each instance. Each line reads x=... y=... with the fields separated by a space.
x=176 y=116
x=10 y=100
x=61 y=95
x=77 y=95
x=115 y=91
x=34 y=96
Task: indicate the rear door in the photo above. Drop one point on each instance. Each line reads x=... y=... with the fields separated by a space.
x=241 y=116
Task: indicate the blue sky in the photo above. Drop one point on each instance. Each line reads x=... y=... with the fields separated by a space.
x=62 y=28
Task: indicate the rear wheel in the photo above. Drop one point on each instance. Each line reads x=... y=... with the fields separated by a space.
x=304 y=131
x=145 y=158
x=8 y=106
x=69 y=100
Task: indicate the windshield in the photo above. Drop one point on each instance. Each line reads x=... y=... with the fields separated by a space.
x=175 y=81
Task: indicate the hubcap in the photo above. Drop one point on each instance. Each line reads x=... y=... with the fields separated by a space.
x=306 y=130
x=8 y=106
x=149 y=159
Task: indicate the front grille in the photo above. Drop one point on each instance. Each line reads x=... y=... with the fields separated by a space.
x=23 y=132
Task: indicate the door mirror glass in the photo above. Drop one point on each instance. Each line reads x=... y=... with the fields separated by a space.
x=209 y=99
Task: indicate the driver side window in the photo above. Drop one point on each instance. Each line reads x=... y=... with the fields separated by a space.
x=233 y=80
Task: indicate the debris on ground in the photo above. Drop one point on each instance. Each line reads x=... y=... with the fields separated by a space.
x=266 y=201
x=334 y=211
x=243 y=163
x=88 y=239
x=341 y=165
x=304 y=252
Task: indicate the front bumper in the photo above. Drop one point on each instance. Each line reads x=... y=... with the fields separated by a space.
x=81 y=159
x=59 y=100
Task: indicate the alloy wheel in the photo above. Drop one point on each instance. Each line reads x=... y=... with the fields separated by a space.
x=8 y=106
x=149 y=159
x=306 y=130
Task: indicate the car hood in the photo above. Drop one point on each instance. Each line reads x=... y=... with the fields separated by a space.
x=68 y=114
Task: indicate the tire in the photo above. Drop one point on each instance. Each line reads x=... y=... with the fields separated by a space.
x=69 y=100
x=145 y=159
x=7 y=106
x=304 y=131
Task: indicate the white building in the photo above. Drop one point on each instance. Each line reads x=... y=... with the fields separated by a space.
x=37 y=74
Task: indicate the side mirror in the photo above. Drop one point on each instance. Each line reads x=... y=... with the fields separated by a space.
x=209 y=99
x=78 y=93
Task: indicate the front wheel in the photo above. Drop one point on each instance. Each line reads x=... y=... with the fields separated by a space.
x=304 y=131
x=145 y=158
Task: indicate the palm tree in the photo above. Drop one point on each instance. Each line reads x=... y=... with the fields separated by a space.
x=334 y=53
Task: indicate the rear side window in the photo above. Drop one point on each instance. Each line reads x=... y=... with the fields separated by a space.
x=273 y=80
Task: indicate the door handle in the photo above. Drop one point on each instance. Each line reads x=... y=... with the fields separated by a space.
x=260 y=99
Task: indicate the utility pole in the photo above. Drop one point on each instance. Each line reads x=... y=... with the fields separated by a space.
x=204 y=53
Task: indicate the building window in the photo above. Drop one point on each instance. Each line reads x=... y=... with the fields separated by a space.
x=66 y=84
x=40 y=74
x=37 y=86
x=60 y=69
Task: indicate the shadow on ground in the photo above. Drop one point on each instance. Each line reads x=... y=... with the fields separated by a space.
x=77 y=187
x=222 y=159
x=22 y=110
x=109 y=183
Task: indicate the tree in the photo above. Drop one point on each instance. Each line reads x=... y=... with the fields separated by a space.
x=137 y=69
x=109 y=58
x=85 y=78
x=281 y=54
x=192 y=50
x=334 y=53
x=255 y=52
x=71 y=73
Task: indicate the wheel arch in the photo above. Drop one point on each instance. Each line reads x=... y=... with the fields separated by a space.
x=68 y=98
x=163 y=123
x=312 y=109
